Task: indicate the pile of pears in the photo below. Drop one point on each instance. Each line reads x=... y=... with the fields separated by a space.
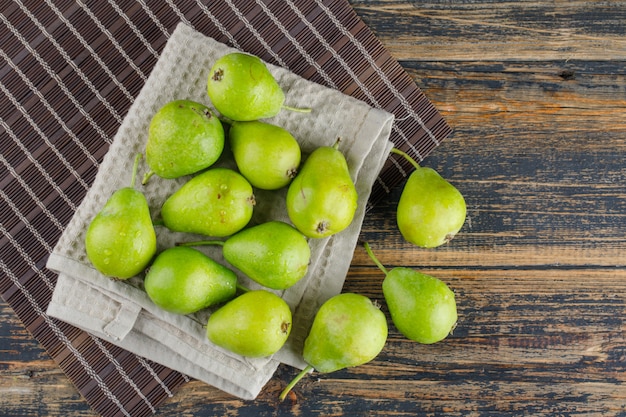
x=185 y=140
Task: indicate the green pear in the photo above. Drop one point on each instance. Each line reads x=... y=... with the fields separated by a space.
x=431 y=211
x=322 y=199
x=267 y=155
x=242 y=88
x=120 y=240
x=273 y=254
x=255 y=324
x=184 y=280
x=422 y=307
x=218 y=202
x=184 y=137
x=348 y=330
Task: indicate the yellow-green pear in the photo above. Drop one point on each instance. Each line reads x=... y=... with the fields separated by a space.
x=431 y=211
x=322 y=199
x=218 y=202
x=120 y=240
x=273 y=254
x=422 y=307
x=242 y=88
x=184 y=137
x=254 y=324
x=348 y=330
x=267 y=155
x=184 y=280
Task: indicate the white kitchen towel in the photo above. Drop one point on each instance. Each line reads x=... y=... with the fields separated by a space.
x=122 y=313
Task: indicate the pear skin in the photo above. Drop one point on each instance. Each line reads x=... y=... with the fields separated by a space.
x=274 y=254
x=422 y=307
x=218 y=202
x=431 y=211
x=348 y=330
x=120 y=240
x=254 y=324
x=322 y=199
x=267 y=155
x=242 y=88
x=184 y=137
x=184 y=280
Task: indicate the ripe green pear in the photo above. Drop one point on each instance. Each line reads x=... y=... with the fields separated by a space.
x=422 y=307
x=184 y=137
x=322 y=199
x=242 y=88
x=348 y=330
x=255 y=324
x=120 y=240
x=218 y=202
x=431 y=211
x=274 y=254
x=184 y=280
x=267 y=155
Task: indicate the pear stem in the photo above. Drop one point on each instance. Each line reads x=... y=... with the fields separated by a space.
x=147 y=177
x=135 y=168
x=368 y=249
x=294 y=381
x=336 y=144
x=406 y=156
x=242 y=288
x=297 y=109
x=201 y=243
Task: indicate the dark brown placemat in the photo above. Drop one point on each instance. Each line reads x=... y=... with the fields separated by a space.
x=69 y=73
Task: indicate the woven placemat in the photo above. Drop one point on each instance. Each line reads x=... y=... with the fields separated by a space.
x=69 y=73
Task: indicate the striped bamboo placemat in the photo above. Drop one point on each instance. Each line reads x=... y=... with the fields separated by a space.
x=69 y=73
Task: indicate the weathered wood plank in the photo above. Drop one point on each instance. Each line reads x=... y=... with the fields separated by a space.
x=32 y=384
x=528 y=30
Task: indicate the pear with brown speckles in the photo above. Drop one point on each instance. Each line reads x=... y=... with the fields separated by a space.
x=184 y=137
x=322 y=199
x=218 y=202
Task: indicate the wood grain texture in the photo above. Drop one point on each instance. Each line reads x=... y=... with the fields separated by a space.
x=536 y=95
x=494 y=31
x=32 y=384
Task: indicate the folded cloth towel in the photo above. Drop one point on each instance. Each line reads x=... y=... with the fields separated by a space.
x=122 y=313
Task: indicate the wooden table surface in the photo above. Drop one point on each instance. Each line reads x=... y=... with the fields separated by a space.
x=536 y=95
